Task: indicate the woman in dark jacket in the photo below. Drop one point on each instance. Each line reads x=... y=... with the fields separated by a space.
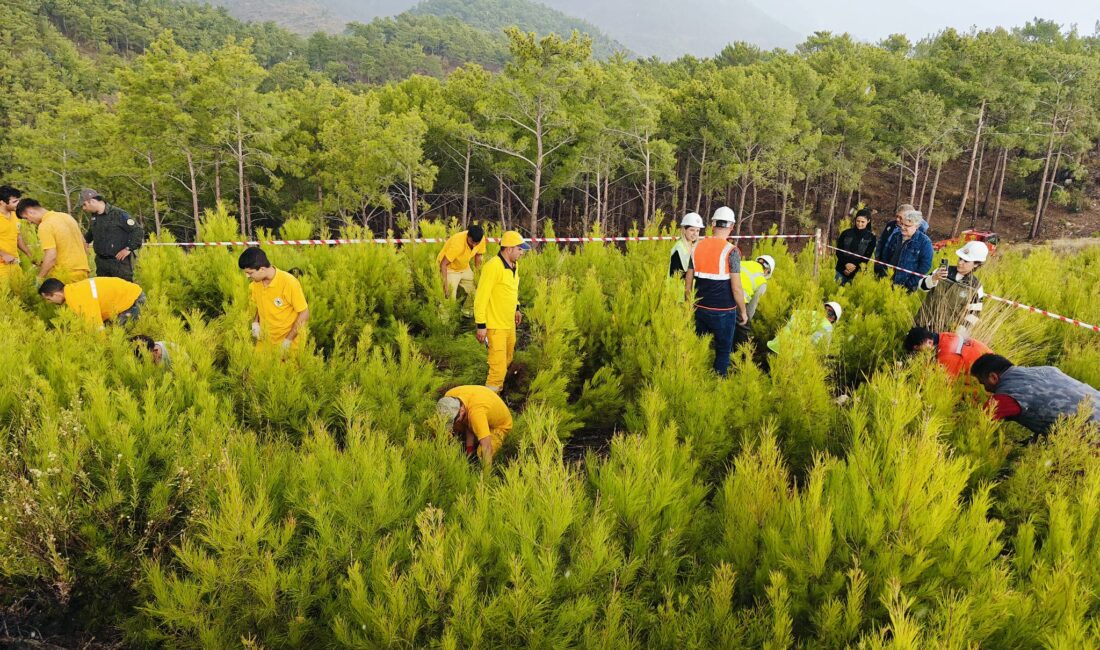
x=859 y=239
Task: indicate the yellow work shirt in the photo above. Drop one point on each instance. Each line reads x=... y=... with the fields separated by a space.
x=486 y=414
x=9 y=234
x=457 y=253
x=278 y=305
x=497 y=295
x=60 y=231
x=9 y=243
x=101 y=299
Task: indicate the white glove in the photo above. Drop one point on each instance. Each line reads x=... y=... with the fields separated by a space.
x=256 y=331
x=287 y=343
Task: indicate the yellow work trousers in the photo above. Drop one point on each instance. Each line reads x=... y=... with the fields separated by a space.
x=9 y=272
x=464 y=279
x=502 y=346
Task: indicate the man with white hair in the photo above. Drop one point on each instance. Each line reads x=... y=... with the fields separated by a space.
x=914 y=252
x=478 y=415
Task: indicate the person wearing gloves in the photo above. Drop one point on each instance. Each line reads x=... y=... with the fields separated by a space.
x=713 y=281
x=690 y=227
x=858 y=239
x=822 y=325
x=914 y=251
x=754 y=282
x=496 y=307
x=954 y=293
x=281 y=308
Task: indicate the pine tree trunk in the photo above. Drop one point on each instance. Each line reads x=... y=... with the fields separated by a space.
x=413 y=229
x=783 y=206
x=741 y=200
x=752 y=214
x=970 y=171
x=1000 y=191
x=194 y=192
x=248 y=208
x=500 y=200
x=1043 y=182
x=466 y=187
x=606 y=198
x=932 y=195
x=977 y=188
x=832 y=208
x=239 y=153
x=218 y=178
x=924 y=186
x=702 y=168
x=156 y=209
x=901 y=178
x=992 y=181
x=1052 y=182
x=916 y=175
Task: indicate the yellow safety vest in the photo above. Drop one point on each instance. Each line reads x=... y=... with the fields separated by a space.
x=752 y=278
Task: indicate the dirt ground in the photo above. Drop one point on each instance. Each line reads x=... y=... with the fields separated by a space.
x=879 y=191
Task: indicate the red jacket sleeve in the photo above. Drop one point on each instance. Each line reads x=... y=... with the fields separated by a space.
x=1004 y=407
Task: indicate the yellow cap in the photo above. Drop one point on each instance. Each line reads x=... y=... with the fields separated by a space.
x=511 y=238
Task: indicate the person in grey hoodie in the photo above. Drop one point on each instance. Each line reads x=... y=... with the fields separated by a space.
x=1034 y=397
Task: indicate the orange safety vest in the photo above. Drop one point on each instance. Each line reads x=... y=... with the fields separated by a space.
x=710 y=264
x=957 y=354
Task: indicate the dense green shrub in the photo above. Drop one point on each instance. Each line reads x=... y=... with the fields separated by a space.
x=846 y=496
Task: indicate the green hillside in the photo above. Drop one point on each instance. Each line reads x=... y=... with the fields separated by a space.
x=495 y=15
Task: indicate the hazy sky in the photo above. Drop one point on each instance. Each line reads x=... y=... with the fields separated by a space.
x=872 y=20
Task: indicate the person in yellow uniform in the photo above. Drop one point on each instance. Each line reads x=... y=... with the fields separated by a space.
x=281 y=308
x=455 y=259
x=11 y=242
x=496 y=307
x=97 y=300
x=64 y=251
x=478 y=414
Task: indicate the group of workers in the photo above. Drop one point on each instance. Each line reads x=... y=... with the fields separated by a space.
x=723 y=289
x=726 y=291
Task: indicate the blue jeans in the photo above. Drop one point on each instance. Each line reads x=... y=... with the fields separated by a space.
x=723 y=325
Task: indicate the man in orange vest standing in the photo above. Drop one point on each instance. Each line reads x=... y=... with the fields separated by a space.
x=954 y=352
x=715 y=276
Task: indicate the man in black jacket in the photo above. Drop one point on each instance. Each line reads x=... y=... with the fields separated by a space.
x=114 y=235
x=859 y=239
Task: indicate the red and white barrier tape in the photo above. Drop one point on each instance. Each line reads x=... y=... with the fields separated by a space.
x=434 y=240
x=1014 y=303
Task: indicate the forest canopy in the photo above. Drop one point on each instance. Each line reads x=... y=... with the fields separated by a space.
x=169 y=107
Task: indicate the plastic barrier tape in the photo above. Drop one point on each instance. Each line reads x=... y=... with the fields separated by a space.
x=1014 y=303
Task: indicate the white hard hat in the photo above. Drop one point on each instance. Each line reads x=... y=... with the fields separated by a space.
x=724 y=214
x=973 y=251
x=836 y=308
x=770 y=261
x=691 y=220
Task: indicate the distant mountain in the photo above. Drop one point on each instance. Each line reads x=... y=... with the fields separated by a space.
x=672 y=29
x=308 y=16
x=646 y=27
x=495 y=15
